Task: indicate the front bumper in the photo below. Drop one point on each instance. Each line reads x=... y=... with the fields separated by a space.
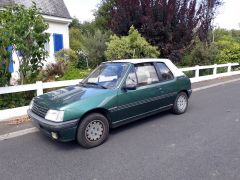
x=66 y=131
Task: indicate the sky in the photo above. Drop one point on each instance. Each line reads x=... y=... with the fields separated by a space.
x=228 y=16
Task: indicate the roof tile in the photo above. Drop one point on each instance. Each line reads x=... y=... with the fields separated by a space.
x=55 y=8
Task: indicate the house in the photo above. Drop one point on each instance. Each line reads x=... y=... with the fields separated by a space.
x=57 y=16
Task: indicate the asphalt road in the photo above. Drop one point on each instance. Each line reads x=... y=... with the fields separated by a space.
x=203 y=143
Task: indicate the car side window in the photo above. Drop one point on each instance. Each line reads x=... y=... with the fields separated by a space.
x=165 y=72
x=131 y=78
x=146 y=74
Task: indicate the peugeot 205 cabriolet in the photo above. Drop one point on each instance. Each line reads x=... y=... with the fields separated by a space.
x=115 y=93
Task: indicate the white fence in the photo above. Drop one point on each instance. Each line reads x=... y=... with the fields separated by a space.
x=198 y=78
x=40 y=86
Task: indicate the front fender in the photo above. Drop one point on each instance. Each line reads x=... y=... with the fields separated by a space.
x=77 y=109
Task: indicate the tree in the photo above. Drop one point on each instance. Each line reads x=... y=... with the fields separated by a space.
x=75 y=23
x=103 y=14
x=220 y=34
x=225 y=48
x=131 y=46
x=24 y=29
x=89 y=43
x=229 y=51
x=75 y=36
x=207 y=15
x=94 y=46
x=4 y=59
x=200 y=54
x=169 y=24
x=228 y=44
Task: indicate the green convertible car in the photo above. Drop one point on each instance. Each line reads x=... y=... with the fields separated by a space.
x=115 y=93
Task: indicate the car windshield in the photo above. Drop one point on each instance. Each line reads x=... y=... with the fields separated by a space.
x=106 y=76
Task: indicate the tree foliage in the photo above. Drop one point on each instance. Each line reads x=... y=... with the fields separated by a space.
x=169 y=24
x=4 y=58
x=66 y=60
x=200 y=54
x=229 y=51
x=131 y=46
x=24 y=29
x=103 y=14
x=207 y=14
x=89 y=42
x=224 y=48
x=228 y=44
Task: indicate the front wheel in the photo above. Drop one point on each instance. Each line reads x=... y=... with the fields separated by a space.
x=93 y=130
x=180 y=104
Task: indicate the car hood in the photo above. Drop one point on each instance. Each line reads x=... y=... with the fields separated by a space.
x=59 y=98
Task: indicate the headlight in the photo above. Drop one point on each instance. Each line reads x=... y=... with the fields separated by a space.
x=54 y=115
x=31 y=105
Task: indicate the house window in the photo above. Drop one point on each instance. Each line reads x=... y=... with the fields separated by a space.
x=58 y=42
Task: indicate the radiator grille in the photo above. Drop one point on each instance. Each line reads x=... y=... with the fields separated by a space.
x=39 y=109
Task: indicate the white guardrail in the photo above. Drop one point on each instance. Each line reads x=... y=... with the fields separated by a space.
x=39 y=86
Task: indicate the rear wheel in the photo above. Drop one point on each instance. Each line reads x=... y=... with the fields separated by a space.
x=181 y=103
x=93 y=130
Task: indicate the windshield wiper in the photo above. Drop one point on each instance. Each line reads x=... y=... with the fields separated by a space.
x=96 y=84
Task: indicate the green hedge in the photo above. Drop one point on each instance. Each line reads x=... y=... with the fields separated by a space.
x=13 y=100
x=74 y=73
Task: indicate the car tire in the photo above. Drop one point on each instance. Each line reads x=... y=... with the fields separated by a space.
x=180 y=104
x=93 y=130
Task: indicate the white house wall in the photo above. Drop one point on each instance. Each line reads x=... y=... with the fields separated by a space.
x=58 y=28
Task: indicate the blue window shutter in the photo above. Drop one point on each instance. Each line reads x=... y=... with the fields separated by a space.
x=58 y=42
x=10 y=67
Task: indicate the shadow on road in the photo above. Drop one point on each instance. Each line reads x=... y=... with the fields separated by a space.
x=73 y=145
x=58 y=145
x=140 y=122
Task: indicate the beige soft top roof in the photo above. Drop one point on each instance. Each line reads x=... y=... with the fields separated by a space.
x=136 y=61
x=176 y=72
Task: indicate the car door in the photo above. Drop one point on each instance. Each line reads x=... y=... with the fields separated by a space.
x=135 y=103
x=167 y=86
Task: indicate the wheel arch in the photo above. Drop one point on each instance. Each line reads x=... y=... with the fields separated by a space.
x=185 y=91
x=102 y=111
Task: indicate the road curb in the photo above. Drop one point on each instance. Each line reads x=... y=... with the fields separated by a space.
x=18 y=133
x=214 y=85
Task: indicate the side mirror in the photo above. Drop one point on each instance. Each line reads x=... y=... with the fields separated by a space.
x=130 y=87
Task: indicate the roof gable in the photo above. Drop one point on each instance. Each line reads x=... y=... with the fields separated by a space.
x=55 y=8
